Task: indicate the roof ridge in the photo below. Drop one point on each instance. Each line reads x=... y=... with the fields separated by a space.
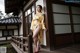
x=10 y=20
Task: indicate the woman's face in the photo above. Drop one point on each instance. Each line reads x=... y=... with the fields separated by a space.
x=38 y=9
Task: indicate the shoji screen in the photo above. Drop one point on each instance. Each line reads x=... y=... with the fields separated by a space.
x=61 y=19
x=76 y=18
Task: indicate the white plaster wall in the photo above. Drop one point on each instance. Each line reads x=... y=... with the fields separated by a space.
x=39 y=2
x=76 y=18
x=26 y=13
x=44 y=38
x=60 y=8
x=15 y=32
x=75 y=10
x=76 y=28
x=0 y=33
x=8 y=38
x=59 y=29
x=21 y=28
x=20 y=14
x=29 y=11
x=33 y=8
x=61 y=18
x=3 y=38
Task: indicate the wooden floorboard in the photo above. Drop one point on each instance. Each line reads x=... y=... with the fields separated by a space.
x=70 y=49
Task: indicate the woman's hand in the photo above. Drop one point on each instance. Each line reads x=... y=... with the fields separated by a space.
x=45 y=30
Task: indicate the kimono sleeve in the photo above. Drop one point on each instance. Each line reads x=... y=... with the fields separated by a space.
x=42 y=22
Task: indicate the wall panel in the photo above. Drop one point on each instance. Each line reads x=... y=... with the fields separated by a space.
x=76 y=28
x=61 y=18
x=0 y=33
x=60 y=8
x=3 y=38
x=15 y=32
x=61 y=29
x=76 y=18
x=75 y=10
x=12 y=27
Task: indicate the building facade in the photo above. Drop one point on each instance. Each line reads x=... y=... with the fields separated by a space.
x=9 y=27
x=61 y=20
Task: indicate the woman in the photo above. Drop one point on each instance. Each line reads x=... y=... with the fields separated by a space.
x=37 y=27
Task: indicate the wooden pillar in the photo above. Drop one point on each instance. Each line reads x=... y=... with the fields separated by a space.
x=49 y=24
x=18 y=29
x=7 y=32
x=72 y=27
x=30 y=45
x=24 y=26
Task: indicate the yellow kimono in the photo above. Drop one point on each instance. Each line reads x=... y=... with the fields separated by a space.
x=38 y=19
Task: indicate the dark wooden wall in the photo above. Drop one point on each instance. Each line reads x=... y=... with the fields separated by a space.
x=61 y=40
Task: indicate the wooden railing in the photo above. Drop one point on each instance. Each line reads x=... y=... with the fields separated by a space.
x=23 y=43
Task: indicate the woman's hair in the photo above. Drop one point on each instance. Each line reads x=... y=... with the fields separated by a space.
x=40 y=6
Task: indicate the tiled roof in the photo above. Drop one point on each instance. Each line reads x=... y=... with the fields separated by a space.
x=11 y=20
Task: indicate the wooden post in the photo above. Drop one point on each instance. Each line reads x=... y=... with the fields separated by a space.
x=18 y=30
x=20 y=41
x=24 y=27
x=72 y=27
x=30 y=47
x=7 y=32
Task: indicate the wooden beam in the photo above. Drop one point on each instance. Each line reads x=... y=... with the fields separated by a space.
x=13 y=9
x=29 y=4
x=65 y=3
x=12 y=4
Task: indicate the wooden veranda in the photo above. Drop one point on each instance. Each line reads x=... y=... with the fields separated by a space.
x=53 y=39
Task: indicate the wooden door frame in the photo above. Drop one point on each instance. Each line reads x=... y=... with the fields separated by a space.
x=49 y=24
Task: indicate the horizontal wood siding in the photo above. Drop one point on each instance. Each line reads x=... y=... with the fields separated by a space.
x=77 y=37
x=63 y=40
